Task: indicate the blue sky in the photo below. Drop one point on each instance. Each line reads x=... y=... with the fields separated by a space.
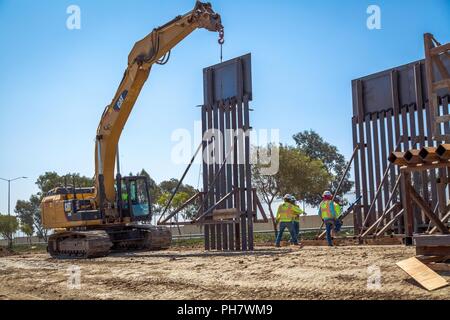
x=55 y=82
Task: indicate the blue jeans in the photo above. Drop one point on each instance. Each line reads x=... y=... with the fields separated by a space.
x=329 y=224
x=290 y=227
x=296 y=230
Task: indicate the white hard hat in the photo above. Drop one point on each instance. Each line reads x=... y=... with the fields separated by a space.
x=326 y=194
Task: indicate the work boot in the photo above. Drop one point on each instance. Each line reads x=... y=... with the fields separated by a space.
x=277 y=245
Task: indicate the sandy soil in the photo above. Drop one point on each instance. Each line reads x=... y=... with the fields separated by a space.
x=267 y=273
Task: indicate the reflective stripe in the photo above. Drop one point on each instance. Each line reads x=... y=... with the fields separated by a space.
x=327 y=210
x=288 y=212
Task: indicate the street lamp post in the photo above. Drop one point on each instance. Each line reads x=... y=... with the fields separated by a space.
x=9 y=191
x=9 y=199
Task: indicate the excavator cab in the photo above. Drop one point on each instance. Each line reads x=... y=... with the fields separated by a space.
x=134 y=201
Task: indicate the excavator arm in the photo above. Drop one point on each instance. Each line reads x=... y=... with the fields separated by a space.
x=152 y=49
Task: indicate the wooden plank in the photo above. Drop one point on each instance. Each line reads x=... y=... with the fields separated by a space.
x=430 y=259
x=426 y=277
x=405 y=184
x=426 y=209
x=439 y=266
x=425 y=166
x=226 y=214
x=388 y=224
x=432 y=240
x=376 y=223
x=444 y=220
x=441 y=194
x=440 y=49
x=433 y=251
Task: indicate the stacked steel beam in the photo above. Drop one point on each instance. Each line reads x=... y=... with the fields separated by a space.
x=426 y=155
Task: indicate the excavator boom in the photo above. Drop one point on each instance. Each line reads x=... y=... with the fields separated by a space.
x=142 y=57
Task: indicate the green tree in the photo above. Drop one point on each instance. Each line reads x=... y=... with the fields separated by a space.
x=41 y=232
x=297 y=174
x=178 y=200
x=315 y=147
x=154 y=189
x=8 y=227
x=27 y=230
x=170 y=185
x=302 y=176
x=29 y=213
x=184 y=193
x=50 y=180
x=25 y=211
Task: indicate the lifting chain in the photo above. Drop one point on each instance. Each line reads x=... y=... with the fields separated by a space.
x=221 y=42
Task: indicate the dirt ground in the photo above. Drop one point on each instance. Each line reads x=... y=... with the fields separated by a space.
x=267 y=273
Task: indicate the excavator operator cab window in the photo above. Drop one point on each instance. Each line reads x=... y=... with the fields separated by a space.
x=136 y=197
x=124 y=197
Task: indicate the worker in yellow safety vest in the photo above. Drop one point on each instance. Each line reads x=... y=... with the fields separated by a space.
x=286 y=214
x=329 y=212
x=296 y=222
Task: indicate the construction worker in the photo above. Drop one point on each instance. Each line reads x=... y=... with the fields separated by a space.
x=285 y=218
x=296 y=220
x=329 y=212
x=125 y=200
x=338 y=223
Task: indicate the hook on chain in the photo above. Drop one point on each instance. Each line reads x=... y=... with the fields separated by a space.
x=221 y=36
x=221 y=41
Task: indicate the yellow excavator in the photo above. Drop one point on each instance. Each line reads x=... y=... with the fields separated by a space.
x=115 y=214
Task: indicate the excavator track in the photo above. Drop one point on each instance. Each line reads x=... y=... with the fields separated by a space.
x=99 y=243
x=79 y=244
x=143 y=237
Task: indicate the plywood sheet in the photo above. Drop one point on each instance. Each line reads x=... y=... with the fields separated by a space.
x=426 y=277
